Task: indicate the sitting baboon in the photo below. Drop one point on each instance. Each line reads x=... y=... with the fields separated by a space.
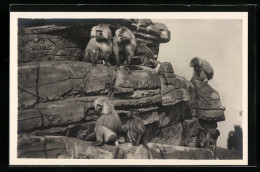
x=100 y=46
x=107 y=125
x=208 y=139
x=136 y=130
x=203 y=71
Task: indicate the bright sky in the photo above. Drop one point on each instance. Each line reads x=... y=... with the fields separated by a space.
x=219 y=41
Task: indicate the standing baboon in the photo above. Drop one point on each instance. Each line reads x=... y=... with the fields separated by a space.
x=124 y=46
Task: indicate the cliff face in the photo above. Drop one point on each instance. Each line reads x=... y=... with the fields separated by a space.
x=56 y=89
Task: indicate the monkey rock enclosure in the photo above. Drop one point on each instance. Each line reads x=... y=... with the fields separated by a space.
x=57 y=88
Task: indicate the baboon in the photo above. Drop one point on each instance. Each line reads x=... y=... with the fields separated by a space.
x=148 y=58
x=203 y=71
x=124 y=46
x=136 y=130
x=208 y=139
x=107 y=125
x=142 y=23
x=99 y=47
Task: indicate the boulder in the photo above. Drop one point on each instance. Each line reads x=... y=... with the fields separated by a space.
x=208 y=102
x=170 y=94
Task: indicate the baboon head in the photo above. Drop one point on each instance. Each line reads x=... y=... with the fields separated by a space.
x=133 y=113
x=215 y=134
x=101 y=32
x=124 y=34
x=196 y=64
x=103 y=106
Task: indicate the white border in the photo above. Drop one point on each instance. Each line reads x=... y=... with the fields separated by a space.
x=156 y=15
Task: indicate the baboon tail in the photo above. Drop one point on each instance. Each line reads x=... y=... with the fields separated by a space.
x=91 y=136
x=116 y=151
x=149 y=150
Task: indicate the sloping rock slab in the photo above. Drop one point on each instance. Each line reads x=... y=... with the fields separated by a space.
x=66 y=148
x=145 y=78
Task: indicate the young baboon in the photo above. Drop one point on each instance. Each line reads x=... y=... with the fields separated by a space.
x=136 y=130
x=124 y=46
x=203 y=71
x=100 y=46
x=107 y=125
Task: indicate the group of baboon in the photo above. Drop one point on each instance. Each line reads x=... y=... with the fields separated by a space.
x=100 y=48
x=108 y=125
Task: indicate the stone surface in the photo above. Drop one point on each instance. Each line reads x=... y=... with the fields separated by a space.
x=166 y=70
x=170 y=94
x=145 y=93
x=135 y=103
x=43 y=47
x=171 y=135
x=145 y=78
x=191 y=129
x=27 y=75
x=174 y=114
x=97 y=79
x=60 y=147
x=26 y=97
x=211 y=115
x=29 y=119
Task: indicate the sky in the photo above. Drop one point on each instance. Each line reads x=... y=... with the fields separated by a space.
x=218 y=41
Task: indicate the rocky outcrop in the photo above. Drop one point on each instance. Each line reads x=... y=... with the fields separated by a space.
x=70 y=148
x=56 y=90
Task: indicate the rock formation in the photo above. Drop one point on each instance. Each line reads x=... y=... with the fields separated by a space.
x=56 y=91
